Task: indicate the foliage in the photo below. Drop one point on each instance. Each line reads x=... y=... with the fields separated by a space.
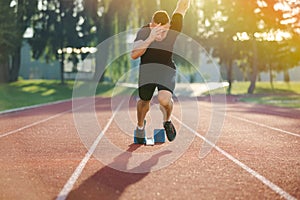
x=242 y=33
x=59 y=24
x=9 y=34
x=14 y=20
x=8 y=37
x=234 y=31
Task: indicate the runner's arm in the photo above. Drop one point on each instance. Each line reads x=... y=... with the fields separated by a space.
x=182 y=6
x=140 y=46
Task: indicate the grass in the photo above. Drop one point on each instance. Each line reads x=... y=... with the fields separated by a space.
x=282 y=95
x=31 y=92
x=239 y=88
x=290 y=101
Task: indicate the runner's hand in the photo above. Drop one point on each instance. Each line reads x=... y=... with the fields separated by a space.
x=155 y=32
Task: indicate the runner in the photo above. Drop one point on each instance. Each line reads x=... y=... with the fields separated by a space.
x=154 y=44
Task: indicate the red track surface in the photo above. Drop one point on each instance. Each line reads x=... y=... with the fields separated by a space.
x=40 y=150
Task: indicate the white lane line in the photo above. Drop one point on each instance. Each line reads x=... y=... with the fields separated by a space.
x=40 y=121
x=33 y=124
x=33 y=106
x=265 y=126
x=70 y=183
x=259 y=124
x=261 y=178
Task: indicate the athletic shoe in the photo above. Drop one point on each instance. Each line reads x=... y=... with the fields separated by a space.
x=170 y=130
x=140 y=134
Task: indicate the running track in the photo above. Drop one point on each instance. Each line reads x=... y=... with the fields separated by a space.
x=257 y=156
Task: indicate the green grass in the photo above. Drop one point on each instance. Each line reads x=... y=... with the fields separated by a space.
x=290 y=101
x=239 y=88
x=282 y=95
x=31 y=92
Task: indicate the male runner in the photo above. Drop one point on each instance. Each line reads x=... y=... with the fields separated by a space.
x=154 y=44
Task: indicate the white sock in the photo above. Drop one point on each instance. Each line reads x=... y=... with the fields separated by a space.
x=140 y=128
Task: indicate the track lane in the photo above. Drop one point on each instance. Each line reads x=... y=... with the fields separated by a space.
x=70 y=183
x=273 y=152
x=41 y=159
x=92 y=186
x=254 y=173
x=36 y=162
x=14 y=122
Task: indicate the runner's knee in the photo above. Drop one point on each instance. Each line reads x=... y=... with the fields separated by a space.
x=144 y=104
x=164 y=100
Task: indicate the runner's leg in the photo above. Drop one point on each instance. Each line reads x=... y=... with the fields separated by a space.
x=142 y=109
x=166 y=104
x=143 y=105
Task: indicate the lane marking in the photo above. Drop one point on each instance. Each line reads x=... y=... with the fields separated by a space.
x=261 y=178
x=33 y=106
x=41 y=121
x=70 y=183
x=258 y=124
x=265 y=126
x=33 y=124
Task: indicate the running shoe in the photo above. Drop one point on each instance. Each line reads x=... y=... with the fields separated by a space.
x=170 y=130
x=140 y=134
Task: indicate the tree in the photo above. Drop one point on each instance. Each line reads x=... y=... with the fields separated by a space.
x=8 y=37
x=289 y=49
x=219 y=24
x=110 y=17
x=24 y=9
x=232 y=29
x=275 y=51
x=15 y=19
x=60 y=24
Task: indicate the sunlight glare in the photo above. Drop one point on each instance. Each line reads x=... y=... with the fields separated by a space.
x=13 y=3
x=282 y=6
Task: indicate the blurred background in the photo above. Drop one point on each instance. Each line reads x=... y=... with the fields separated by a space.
x=251 y=41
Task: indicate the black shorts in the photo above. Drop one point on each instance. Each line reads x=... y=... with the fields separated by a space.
x=152 y=76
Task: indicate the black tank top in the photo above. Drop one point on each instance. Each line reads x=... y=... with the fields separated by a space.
x=161 y=52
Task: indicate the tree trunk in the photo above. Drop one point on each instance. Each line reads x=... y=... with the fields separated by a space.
x=103 y=48
x=62 y=68
x=101 y=61
x=286 y=76
x=229 y=75
x=254 y=69
x=4 y=70
x=15 y=68
x=271 y=77
x=62 y=40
